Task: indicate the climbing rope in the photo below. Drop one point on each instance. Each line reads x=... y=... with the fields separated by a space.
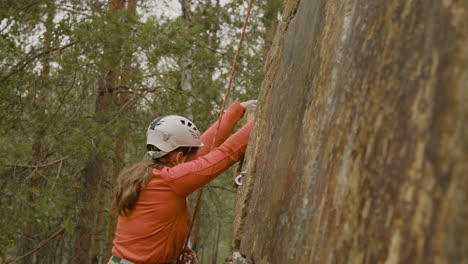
x=228 y=89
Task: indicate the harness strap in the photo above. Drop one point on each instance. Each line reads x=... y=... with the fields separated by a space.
x=117 y=260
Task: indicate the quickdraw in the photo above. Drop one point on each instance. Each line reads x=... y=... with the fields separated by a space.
x=238 y=179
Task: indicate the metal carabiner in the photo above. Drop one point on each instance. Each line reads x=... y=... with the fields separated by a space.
x=238 y=179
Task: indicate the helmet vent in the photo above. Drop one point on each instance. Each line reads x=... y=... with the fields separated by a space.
x=189 y=124
x=183 y=122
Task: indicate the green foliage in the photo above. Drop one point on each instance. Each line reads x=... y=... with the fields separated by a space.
x=49 y=91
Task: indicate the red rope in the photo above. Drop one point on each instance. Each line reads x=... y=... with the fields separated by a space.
x=228 y=89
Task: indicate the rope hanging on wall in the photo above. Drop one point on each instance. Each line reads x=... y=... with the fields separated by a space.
x=228 y=89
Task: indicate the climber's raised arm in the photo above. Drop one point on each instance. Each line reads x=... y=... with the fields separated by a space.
x=187 y=177
x=229 y=120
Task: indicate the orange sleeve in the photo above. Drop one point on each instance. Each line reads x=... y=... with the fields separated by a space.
x=230 y=119
x=187 y=177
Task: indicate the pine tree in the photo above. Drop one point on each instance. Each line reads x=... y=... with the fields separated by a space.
x=79 y=82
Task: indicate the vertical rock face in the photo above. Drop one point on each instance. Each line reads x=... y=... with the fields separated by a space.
x=361 y=139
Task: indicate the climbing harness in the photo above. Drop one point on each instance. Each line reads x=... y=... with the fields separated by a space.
x=228 y=89
x=117 y=260
x=238 y=179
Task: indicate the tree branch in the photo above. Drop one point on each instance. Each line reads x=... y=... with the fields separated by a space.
x=28 y=61
x=17 y=14
x=119 y=114
x=39 y=165
x=58 y=232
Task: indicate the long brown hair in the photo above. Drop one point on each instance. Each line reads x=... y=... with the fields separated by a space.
x=133 y=178
x=129 y=183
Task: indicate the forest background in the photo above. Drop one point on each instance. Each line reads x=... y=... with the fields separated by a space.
x=79 y=83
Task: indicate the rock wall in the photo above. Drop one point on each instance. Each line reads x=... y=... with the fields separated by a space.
x=361 y=139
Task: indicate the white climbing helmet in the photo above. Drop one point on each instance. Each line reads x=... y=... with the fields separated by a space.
x=168 y=133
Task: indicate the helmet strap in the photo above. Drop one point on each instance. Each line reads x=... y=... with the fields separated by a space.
x=186 y=155
x=174 y=163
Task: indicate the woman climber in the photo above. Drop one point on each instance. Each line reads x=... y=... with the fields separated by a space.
x=150 y=196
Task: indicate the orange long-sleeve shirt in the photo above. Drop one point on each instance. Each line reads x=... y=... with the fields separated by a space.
x=157 y=228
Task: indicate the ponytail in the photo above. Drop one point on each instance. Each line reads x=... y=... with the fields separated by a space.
x=129 y=183
x=133 y=178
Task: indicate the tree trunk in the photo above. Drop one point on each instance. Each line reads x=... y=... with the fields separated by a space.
x=186 y=62
x=30 y=228
x=361 y=136
x=123 y=99
x=91 y=219
x=271 y=24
